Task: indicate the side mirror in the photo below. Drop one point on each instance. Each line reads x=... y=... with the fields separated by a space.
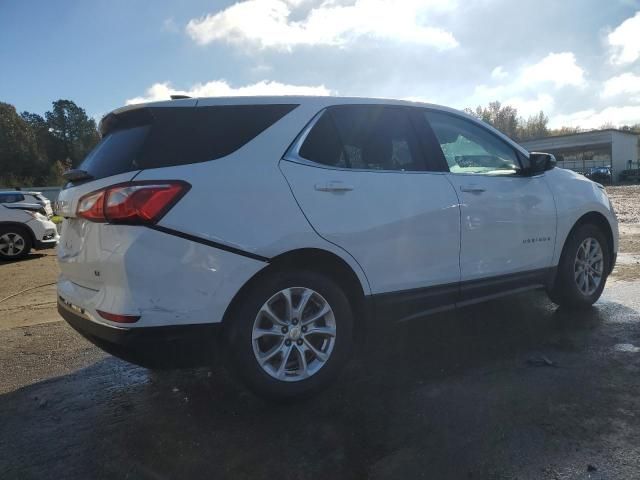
x=540 y=162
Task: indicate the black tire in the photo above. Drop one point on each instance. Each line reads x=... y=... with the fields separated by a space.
x=16 y=232
x=239 y=327
x=565 y=291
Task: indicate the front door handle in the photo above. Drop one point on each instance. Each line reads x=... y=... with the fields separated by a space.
x=333 y=186
x=472 y=188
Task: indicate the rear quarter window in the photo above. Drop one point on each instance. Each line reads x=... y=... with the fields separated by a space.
x=167 y=136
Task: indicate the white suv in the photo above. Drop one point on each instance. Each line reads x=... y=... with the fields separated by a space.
x=23 y=228
x=19 y=196
x=294 y=222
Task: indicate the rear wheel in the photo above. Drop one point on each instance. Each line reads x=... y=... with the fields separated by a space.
x=15 y=243
x=583 y=268
x=292 y=335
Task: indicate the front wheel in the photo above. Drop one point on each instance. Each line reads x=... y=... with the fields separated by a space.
x=292 y=335
x=583 y=268
x=15 y=243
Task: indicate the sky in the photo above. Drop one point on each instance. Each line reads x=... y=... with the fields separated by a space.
x=577 y=60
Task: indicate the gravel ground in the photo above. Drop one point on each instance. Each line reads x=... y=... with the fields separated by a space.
x=514 y=388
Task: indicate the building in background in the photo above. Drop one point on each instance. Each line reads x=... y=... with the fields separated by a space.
x=582 y=152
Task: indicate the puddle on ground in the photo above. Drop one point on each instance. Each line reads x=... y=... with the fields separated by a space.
x=626 y=347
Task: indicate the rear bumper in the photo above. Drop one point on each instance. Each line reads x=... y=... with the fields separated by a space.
x=154 y=347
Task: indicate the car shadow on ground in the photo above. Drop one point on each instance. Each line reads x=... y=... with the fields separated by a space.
x=466 y=394
x=26 y=258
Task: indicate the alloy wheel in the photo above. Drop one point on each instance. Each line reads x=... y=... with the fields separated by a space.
x=589 y=266
x=294 y=334
x=12 y=244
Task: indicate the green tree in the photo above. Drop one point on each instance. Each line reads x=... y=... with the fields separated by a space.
x=504 y=118
x=46 y=144
x=19 y=161
x=565 y=131
x=74 y=132
x=533 y=127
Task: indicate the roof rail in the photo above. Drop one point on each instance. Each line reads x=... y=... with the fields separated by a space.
x=179 y=97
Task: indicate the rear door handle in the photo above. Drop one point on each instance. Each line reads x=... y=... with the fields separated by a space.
x=472 y=188
x=333 y=186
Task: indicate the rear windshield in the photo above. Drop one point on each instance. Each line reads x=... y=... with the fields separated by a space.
x=167 y=136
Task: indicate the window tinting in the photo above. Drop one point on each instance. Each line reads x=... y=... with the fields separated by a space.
x=363 y=137
x=11 y=197
x=167 y=136
x=469 y=148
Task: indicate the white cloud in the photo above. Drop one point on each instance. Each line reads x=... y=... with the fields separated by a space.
x=626 y=83
x=220 y=88
x=560 y=69
x=625 y=41
x=498 y=73
x=591 y=118
x=532 y=106
x=532 y=87
x=268 y=23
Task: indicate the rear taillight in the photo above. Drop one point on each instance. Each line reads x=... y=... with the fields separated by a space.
x=133 y=203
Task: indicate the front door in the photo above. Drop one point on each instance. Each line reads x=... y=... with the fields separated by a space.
x=508 y=220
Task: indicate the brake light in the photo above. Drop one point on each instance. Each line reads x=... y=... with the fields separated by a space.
x=133 y=203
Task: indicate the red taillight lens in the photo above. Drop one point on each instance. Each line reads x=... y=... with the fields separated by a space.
x=114 y=317
x=131 y=203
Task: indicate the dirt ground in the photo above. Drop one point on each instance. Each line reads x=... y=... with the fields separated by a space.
x=513 y=388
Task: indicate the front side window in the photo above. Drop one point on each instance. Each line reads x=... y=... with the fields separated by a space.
x=363 y=137
x=469 y=148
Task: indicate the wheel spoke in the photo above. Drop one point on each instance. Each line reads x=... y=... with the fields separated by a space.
x=304 y=300
x=271 y=353
x=324 y=331
x=318 y=315
x=304 y=368
x=270 y=314
x=317 y=353
x=286 y=352
x=262 y=332
x=286 y=294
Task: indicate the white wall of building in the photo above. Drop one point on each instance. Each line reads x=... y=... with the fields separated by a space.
x=623 y=149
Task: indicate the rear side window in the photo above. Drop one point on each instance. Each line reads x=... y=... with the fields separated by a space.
x=167 y=136
x=11 y=197
x=364 y=137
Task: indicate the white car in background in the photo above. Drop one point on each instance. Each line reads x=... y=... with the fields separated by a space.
x=294 y=222
x=22 y=228
x=20 y=196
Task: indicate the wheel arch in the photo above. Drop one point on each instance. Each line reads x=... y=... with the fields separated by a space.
x=316 y=260
x=600 y=221
x=22 y=226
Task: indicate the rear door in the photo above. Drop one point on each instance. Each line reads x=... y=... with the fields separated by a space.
x=365 y=184
x=508 y=220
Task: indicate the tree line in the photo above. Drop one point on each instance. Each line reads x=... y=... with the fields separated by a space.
x=506 y=119
x=36 y=150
